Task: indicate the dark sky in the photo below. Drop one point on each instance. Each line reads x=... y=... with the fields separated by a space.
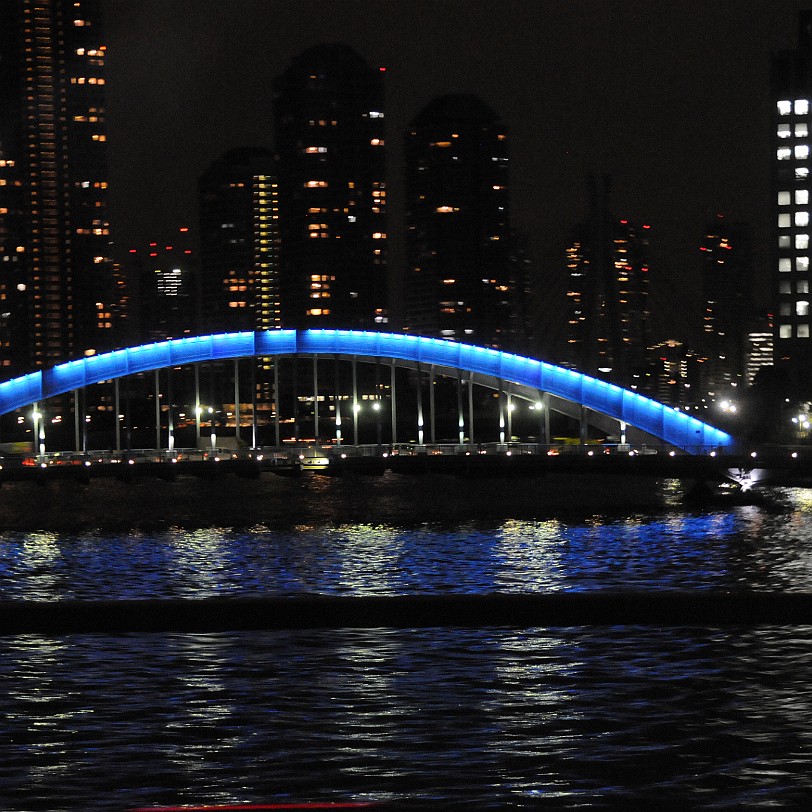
x=669 y=97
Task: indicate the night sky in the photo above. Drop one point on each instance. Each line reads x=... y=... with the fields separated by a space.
x=668 y=97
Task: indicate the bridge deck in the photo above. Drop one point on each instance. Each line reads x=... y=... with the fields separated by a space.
x=494 y=460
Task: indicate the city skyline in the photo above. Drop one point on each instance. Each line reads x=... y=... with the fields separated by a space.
x=687 y=138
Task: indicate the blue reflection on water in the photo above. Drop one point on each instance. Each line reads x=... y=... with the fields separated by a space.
x=745 y=547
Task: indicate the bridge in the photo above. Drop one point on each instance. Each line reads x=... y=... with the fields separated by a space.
x=545 y=386
x=644 y=436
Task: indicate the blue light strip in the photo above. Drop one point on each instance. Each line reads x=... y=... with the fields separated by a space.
x=670 y=425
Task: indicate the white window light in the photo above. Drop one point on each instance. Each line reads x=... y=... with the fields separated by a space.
x=801 y=197
x=783 y=153
x=802 y=263
x=801 y=218
x=785 y=265
x=785 y=331
x=801 y=308
x=802 y=286
x=784 y=198
x=784 y=220
x=801 y=107
x=801 y=130
x=803 y=331
x=801 y=172
x=784 y=131
x=784 y=108
x=802 y=241
x=802 y=152
x=784 y=241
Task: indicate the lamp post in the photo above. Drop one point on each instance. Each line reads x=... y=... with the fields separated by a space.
x=212 y=428
x=376 y=407
x=39 y=430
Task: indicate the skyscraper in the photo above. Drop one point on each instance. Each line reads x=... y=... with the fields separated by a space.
x=239 y=242
x=726 y=282
x=458 y=282
x=330 y=142
x=56 y=282
x=791 y=91
x=608 y=267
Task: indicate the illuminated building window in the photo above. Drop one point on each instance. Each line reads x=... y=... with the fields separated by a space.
x=801 y=107
x=783 y=241
x=784 y=198
x=802 y=152
x=784 y=287
x=315 y=150
x=378 y=235
x=803 y=331
x=784 y=131
x=802 y=241
x=801 y=130
x=784 y=221
x=802 y=197
x=375 y=114
x=785 y=331
x=801 y=172
x=316 y=184
x=801 y=218
x=784 y=153
x=802 y=263
x=802 y=286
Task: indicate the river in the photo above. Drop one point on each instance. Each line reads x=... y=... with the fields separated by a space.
x=485 y=718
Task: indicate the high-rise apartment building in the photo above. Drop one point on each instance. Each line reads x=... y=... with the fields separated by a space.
x=727 y=270
x=608 y=306
x=791 y=91
x=56 y=280
x=330 y=142
x=459 y=282
x=239 y=242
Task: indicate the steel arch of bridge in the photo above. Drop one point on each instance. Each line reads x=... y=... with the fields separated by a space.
x=669 y=425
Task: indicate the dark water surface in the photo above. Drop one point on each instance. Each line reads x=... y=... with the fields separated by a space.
x=490 y=718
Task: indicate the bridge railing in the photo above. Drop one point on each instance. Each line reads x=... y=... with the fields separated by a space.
x=307 y=454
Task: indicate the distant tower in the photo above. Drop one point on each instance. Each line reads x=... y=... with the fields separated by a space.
x=759 y=344
x=608 y=267
x=329 y=116
x=56 y=280
x=458 y=281
x=239 y=242
x=675 y=373
x=791 y=91
x=727 y=270
x=164 y=272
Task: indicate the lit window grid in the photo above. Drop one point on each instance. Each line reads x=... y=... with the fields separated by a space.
x=793 y=214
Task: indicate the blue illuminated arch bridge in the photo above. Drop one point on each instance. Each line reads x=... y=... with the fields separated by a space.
x=604 y=405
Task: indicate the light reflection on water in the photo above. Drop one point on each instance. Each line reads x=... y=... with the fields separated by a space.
x=461 y=718
x=748 y=547
x=467 y=718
